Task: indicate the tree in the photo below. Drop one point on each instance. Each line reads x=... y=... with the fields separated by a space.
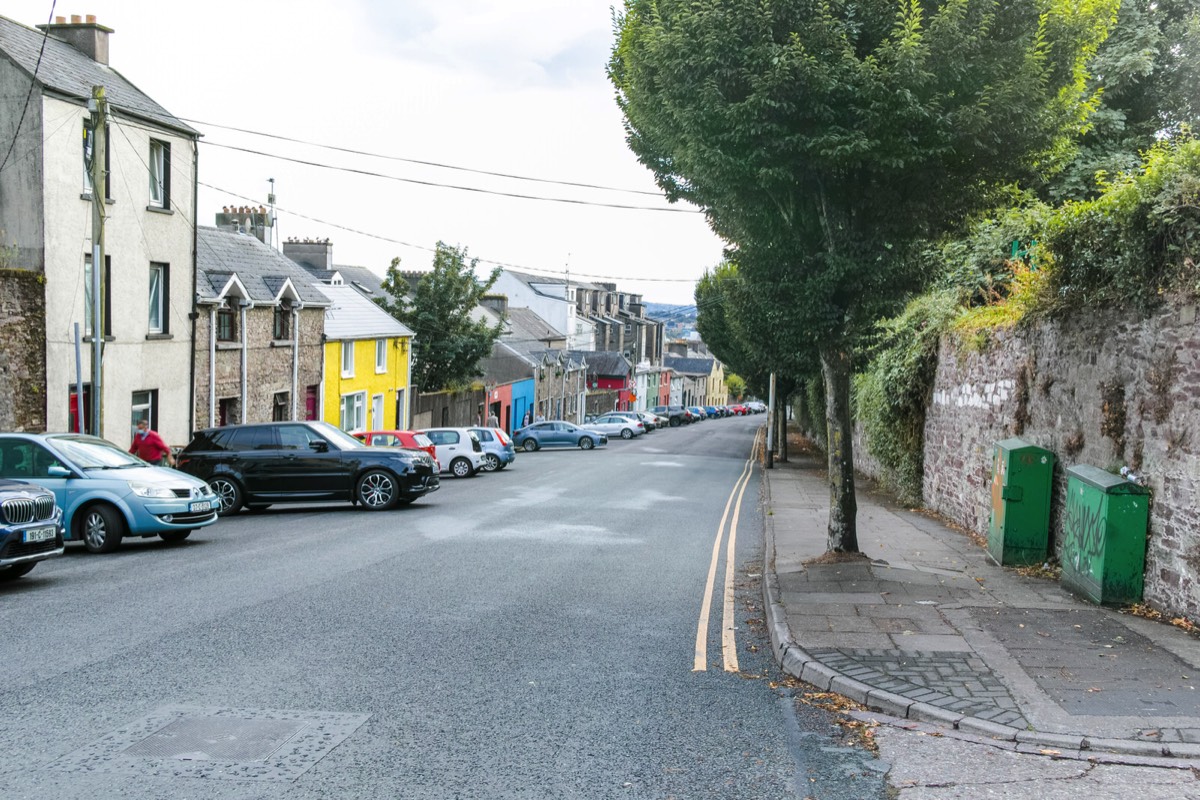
x=736 y=385
x=823 y=138
x=448 y=342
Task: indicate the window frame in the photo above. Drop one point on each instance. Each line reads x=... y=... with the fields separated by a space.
x=143 y=407
x=88 y=139
x=160 y=159
x=164 y=298
x=281 y=322
x=87 y=294
x=347 y=365
x=352 y=409
x=227 y=318
x=380 y=356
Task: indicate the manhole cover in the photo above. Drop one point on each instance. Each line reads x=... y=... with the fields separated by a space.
x=205 y=742
x=217 y=739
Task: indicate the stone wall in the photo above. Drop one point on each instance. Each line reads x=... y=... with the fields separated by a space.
x=1106 y=388
x=22 y=351
x=269 y=364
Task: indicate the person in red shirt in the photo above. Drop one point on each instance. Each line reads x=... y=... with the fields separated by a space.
x=149 y=446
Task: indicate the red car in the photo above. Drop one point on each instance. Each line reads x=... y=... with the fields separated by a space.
x=407 y=439
x=739 y=409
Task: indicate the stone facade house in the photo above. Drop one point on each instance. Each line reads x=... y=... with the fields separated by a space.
x=259 y=333
x=46 y=248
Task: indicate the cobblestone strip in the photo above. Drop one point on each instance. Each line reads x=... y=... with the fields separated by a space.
x=958 y=682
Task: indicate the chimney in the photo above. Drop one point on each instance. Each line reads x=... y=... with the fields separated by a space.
x=495 y=302
x=255 y=222
x=309 y=253
x=87 y=36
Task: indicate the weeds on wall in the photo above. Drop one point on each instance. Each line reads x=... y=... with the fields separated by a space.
x=892 y=394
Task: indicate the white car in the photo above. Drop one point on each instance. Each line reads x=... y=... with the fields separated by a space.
x=617 y=425
x=459 y=451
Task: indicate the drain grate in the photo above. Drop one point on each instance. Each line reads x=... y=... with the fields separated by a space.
x=217 y=739
x=231 y=743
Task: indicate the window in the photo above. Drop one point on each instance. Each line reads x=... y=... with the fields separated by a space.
x=281 y=326
x=144 y=406
x=106 y=293
x=297 y=437
x=347 y=361
x=160 y=292
x=25 y=459
x=254 y=437
x=160 y=174
x=353 y=412
x=380 y=356
x=229 y=411
x=281 y=407
x=227 y=325
x=89 y=143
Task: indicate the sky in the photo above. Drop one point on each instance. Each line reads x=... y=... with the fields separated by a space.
x=505 y=86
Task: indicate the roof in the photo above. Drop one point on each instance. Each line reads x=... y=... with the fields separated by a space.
x=261 y=270
x=352 y=315
x=689 y=366
x=550 y=280
x=67 y=71
x=605 y=362
x=361 y=278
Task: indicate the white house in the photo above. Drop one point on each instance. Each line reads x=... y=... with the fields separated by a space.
x=552 y=299
x=46 y=198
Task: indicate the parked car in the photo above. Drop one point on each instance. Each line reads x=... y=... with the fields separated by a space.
x=498 y=450
x=556 y=433
x=676 y=415
x=31 y=528
x=756 y=407
x=256 y=465
x=698 y=412
x=459 y=451
x=105 y=493
x=714 y=412
x=653 y=421
x=643 y=417
x=739 y=410
x=409 y=440
x=617 y=425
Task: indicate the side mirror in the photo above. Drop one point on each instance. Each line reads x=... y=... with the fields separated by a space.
x=319 y=445
x=57 y=471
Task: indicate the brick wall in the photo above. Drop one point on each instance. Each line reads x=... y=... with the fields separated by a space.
x=23 y=351
x=1107 y=388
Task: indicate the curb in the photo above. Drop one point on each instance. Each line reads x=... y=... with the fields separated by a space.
x=798 y=663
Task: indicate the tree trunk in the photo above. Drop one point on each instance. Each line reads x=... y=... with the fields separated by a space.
x=781 y=413
x=843 y=508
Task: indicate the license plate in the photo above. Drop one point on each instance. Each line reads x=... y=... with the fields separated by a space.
x=40 y=534
x=203 y=505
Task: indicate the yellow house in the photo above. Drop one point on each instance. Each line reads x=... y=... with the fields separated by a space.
x=368 y=359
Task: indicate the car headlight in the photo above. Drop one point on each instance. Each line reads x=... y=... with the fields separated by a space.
x=149 y=490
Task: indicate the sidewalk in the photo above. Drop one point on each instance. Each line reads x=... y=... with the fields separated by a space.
x=926 y=628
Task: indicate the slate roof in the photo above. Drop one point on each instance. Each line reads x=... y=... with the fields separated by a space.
x=529 y=279
x=67 y=71
x=261 y=269
x=352 y=315
x=689 y=366
x=360 y=278
x=605 y=362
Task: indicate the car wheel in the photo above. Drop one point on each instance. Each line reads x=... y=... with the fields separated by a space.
x=501 y=465
x=16 y=571
x=626 y=433
x=676 y=422
x=461 y=468
x=256 y=508
x=491 y=462
x=586 y=444
x=377 y=490
x=101 y=528
x=530 y=445
x=174 y=536
x=228 y=493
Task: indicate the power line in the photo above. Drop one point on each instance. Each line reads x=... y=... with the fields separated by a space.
x=435 y=184
x=436 y=164
x=32 y=84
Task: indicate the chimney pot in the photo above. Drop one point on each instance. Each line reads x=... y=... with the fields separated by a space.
x=60 y=20
x=91 y=18
x=76 y=19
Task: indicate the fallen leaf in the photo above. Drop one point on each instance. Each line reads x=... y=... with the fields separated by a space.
x=1050 y=752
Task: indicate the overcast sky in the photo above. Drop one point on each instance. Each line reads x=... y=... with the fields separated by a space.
x=510 y=86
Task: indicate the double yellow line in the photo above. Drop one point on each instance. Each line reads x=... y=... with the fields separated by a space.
x=728 y=642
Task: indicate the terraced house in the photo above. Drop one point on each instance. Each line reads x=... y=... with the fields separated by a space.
x=46 y=239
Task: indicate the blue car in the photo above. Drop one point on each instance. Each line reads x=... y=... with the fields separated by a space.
x=105 y=493
x=556 y=433
x=31 y=528
x=498 y=450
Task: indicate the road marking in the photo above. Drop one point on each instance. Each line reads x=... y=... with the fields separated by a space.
x=700 y=662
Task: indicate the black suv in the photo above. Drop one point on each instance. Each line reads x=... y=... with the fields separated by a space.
x=259 y=464
x=31 y=527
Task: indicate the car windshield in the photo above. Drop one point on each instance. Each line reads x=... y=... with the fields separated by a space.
x=336 y=436
x=89 y=452
x=422 y=440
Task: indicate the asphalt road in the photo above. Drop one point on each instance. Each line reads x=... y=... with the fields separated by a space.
x=525 y=634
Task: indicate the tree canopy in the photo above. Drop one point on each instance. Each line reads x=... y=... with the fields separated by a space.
x=448 y=342
x=825 y=138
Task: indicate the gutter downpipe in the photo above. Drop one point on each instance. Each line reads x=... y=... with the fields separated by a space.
x=191 y=413
x=295 y=354
x=212 y=366
x=242 y=306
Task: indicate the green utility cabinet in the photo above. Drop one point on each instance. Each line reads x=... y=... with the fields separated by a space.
x=1104 y=536
x=1022 y=480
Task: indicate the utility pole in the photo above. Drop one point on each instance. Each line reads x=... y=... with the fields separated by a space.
x=99 y=108
x=771 y=424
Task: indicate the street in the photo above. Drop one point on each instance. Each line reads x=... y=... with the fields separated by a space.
x=539 y=632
